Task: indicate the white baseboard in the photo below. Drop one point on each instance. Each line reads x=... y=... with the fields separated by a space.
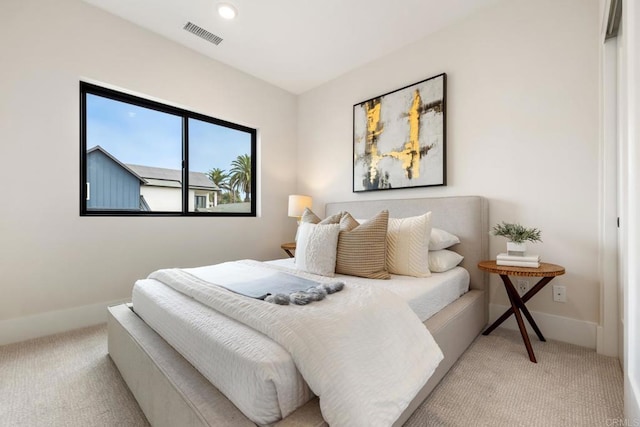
x=53 y=322
x=606 y=344
x=631 y=402
x=565 y=329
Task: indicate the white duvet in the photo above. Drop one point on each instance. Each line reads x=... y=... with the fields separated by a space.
x=362 y=350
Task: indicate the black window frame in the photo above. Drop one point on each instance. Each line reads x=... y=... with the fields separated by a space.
x=92 y=89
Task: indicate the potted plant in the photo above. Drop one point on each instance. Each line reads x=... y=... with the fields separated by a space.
x=517 y=236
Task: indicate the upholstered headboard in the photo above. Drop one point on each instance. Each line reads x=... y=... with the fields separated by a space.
x=467 y=217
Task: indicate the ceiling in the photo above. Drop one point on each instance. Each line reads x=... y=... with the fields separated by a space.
x=296 y=44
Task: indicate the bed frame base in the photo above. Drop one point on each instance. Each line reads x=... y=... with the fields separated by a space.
x=172 y=392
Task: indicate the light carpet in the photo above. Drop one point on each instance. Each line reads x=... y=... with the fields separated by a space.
x=69 y=380
x=495 y=384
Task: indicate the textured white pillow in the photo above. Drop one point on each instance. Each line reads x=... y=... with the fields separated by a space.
x=443 y=260
x=316 y=248
x=441 y=239
x=408 y=245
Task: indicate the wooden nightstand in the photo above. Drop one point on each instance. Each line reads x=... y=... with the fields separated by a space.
x=546 y=271
x=288 y=248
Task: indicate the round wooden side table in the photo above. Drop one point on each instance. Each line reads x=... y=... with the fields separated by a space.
x=546 y=271
x=288 y=248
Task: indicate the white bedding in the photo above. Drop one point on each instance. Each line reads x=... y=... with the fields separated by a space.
x=426 y=296
x=253 y=371
x=335 y=343
x=257 y=374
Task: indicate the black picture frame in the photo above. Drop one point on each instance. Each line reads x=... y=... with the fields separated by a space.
x=399 y=138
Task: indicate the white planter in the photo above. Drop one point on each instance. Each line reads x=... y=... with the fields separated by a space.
x=516 y=249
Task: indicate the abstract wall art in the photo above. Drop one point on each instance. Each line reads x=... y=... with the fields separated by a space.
x=399 y=138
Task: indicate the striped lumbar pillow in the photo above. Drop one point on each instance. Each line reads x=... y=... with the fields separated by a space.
x=362 y=247
x=408 y=245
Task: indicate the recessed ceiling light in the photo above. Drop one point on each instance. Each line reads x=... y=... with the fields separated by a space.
x=227 y=11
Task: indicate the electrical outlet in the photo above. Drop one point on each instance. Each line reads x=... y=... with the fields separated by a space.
x=559 y=293
x=522 y=286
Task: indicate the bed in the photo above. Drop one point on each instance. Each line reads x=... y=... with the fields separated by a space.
x=171 y=392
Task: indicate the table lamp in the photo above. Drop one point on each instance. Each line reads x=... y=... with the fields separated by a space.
x=297 y=205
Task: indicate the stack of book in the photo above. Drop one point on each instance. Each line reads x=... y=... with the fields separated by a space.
x=518 y=260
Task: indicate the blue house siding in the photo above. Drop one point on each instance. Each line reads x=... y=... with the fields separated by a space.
x=110 y=185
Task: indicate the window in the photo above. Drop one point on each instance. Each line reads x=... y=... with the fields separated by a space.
x=140 y=157
x=201 y=202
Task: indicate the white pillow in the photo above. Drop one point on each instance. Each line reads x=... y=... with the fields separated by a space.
x=441 y=239
x=408 y=245
x=316 y=248
x=443 y=260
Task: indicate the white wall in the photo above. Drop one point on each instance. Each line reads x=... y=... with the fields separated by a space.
x=164 y=198
x=630 y=104
x=609 y=329
x=522 y=130
x=58 y=270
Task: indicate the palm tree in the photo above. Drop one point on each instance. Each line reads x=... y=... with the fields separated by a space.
x=220 y=178
x=240 y=175
x=229 y=197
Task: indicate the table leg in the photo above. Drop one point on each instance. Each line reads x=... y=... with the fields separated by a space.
x=532 y=322
x=526 y=297
x=514 y=298
x=536 y=288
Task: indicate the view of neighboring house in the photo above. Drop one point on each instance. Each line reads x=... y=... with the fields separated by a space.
x=112 y=184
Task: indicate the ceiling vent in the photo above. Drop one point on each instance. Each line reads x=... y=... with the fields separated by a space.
x=202 y=33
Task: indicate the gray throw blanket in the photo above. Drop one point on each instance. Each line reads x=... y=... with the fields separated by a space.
x=282 y=288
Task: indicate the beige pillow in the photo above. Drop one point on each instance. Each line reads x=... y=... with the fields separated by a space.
x=408 y=245
x=310 y=217
x=362 y=247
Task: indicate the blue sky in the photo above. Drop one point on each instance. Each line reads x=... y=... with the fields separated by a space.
x=147 y=137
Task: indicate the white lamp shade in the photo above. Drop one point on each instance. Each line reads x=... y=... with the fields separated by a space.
x=297 y=204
